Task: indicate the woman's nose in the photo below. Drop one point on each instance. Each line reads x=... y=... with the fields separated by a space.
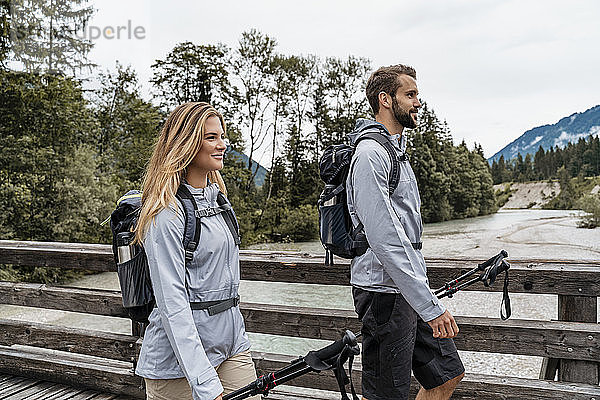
x=222 y=143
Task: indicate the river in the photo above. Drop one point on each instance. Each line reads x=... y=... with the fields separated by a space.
x=548 y=234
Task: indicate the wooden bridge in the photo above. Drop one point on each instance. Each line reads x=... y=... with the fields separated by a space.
x=98 y=364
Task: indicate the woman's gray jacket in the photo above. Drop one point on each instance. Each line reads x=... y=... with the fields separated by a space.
x=391 y=224
x=180 y=341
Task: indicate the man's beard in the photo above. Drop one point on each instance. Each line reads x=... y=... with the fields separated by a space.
x=402 y=116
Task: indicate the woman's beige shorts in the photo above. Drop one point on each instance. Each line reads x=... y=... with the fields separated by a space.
x=234 y=373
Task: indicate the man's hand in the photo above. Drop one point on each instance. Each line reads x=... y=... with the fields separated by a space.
x=444 y=326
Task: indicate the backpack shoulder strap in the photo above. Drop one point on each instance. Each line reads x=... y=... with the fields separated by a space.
x=384 y=141
x=191 y=227
x=230 y=219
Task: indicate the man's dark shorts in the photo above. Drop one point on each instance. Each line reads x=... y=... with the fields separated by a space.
x=394 y=341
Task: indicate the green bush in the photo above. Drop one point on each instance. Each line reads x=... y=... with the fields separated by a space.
x=13 y=273
x=503 y=194
x=568 y=193
x=590 y=205
x=301 y=224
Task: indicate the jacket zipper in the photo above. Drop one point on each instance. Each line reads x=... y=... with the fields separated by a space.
x=225 y=230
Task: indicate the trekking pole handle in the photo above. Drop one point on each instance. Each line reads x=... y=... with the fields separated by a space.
x=336 y=347
x=504 y=266
x=457 y=284
x=503 y=254
x=448 y=286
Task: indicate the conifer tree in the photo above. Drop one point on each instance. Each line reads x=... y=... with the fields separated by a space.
x=5 y=22
x=192 y=72
x=540 y=166
x=430 y=166
x=466 y=188
x=487 y=201
x=528 y=168
x=49 y=36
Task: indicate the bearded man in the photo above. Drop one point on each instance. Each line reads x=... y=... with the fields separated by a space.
x=404 y=326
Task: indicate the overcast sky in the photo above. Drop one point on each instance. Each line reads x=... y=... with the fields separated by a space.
x=493 y=69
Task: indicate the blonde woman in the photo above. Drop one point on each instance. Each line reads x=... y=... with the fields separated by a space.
x=187 y=351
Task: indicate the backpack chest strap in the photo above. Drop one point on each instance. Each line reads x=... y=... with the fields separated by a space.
x=209 y=212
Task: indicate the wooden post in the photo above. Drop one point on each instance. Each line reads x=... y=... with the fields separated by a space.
x=578 y=309
x=549 y=368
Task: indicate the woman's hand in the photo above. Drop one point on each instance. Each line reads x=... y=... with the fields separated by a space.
x=220 y=397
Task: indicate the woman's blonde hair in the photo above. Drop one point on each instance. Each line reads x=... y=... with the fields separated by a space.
x=179 y=141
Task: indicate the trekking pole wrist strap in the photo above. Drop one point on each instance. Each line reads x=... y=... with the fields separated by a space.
x=505 y=309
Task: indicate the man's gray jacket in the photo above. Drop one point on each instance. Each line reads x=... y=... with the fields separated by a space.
x=391 y=224
x=180 y=341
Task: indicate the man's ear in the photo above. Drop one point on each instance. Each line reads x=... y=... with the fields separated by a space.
x=385 y=100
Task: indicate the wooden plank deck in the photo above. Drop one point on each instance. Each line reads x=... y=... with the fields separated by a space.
x=20 y=388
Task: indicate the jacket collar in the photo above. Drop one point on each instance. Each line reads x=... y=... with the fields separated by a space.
x=364 y=125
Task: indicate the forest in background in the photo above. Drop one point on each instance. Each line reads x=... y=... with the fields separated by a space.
x=572 y=166
x=578 y=159
x=67 y=152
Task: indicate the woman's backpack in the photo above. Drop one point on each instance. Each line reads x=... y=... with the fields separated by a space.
x=131 y=260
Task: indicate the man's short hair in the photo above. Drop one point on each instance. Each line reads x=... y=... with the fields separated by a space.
x=385 y=79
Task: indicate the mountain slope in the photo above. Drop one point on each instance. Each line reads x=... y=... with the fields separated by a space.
x=261 y=174
x=568 y=129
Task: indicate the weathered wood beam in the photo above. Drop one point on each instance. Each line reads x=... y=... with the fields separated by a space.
x=90 y=301
x=568 y=340
x=472 y=387
x=527 y=275
x=549 y=277
x=577 y=341
x=81 y=341
x=79 y=372
x=93 y=257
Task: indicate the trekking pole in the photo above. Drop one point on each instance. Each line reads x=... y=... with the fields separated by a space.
x=329 y=357
x=490 y=269
x=455 y=285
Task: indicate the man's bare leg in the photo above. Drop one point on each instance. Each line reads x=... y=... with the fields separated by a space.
x=442 y=392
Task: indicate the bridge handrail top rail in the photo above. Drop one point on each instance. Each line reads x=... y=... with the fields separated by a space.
x=112 y=296
x=276 y=255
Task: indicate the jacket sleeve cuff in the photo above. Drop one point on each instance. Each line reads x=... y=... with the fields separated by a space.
x=206 y=386
x=430 y=310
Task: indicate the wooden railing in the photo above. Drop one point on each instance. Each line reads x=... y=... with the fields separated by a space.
x=570 y=346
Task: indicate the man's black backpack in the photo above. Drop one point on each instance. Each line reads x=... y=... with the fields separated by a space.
x=132 y=264
x=338 y=236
